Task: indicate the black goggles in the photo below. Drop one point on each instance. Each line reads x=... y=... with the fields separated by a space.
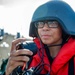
x=50 y=24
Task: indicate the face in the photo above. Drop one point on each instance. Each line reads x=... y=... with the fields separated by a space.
x=49 y=34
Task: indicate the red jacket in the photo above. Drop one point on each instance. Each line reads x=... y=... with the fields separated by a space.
x=61 y=61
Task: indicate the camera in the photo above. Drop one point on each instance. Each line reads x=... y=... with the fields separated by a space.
x=30 y=45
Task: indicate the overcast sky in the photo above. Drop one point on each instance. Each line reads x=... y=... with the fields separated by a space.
x=15 y=15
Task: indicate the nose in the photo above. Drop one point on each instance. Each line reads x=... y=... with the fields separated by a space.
x=45 y=28
x=45 y=25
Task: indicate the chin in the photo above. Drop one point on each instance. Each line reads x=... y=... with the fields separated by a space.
x=46 y=42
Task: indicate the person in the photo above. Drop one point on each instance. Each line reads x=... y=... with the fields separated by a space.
x=53 y=30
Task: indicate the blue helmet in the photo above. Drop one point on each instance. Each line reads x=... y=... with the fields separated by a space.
x=54 y=10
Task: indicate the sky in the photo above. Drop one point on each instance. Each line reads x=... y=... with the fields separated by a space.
x=15 y=15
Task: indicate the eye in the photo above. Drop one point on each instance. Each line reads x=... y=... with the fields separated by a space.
x=53 y=24
x=39 y=24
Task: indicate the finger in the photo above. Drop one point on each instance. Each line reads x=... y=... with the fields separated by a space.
x=19 y=59
x=21 y=52
x=10 y=67
x=15 y=42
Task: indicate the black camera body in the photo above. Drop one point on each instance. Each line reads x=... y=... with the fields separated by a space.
x=31 y=46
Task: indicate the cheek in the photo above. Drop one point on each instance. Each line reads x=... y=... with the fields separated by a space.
x=39 y=32
x=57 y=35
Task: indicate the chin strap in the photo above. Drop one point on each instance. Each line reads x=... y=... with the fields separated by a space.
x=54 y=45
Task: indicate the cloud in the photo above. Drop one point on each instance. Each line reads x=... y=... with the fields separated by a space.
x=1 y=2
x=11 y=2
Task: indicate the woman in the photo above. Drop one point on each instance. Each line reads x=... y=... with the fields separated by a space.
x=52 y=29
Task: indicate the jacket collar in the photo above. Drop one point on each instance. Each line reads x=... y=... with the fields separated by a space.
x=64 y=55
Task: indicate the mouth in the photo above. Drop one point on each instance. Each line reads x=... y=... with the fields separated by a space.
x=46 y=36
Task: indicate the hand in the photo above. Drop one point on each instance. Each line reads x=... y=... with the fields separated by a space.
x=15 y=59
